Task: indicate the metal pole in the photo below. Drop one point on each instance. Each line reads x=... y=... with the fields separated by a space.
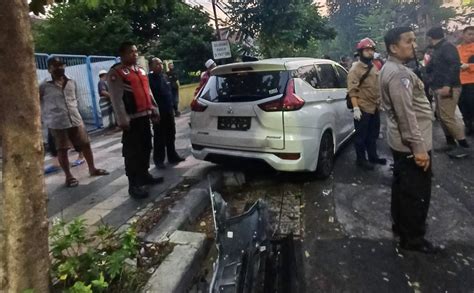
x=215 y=20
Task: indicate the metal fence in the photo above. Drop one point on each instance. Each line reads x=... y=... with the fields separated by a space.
x=85 y=71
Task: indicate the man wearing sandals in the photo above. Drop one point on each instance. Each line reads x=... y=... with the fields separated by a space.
x=61 y=114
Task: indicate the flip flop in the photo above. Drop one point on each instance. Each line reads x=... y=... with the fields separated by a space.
x=51 y=169
x=99 y=172
x=72 y=182
x=78 y=162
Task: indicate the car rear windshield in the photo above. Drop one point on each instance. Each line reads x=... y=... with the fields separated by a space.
x=245 y=86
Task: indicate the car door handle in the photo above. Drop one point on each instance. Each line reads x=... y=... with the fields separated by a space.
x=329 y=100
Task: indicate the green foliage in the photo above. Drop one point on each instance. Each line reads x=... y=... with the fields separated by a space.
x=171 y=30
x=84 y=262
x=79 y=29
x=180 y=32
x=281 y=27
x=355 y=19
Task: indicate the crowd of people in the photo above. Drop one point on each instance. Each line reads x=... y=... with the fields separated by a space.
x=135 y=102
x=407 y=94
x=405 y=90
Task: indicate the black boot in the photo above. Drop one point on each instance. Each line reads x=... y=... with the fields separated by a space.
x=136 y=191
x=421 y=245
x=175 y=159
x=379 y=161
x=450 y=141
x=463 y=143
x=365 y=165
x=149 y=179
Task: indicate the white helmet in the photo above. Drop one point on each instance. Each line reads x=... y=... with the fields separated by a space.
x=102 y=72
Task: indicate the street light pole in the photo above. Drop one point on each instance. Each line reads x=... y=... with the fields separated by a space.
x=215 y=20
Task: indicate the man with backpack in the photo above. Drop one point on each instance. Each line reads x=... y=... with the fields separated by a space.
x=364 y=94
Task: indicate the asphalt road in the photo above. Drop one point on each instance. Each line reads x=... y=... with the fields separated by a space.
x=346 y=239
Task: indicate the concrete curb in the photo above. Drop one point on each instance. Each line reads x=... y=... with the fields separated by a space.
x=187 y=209
x=176 y=272
x=178 y=269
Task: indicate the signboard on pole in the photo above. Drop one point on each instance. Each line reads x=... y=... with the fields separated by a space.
x=221 y=49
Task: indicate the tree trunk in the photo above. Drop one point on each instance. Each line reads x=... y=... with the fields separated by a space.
x=24 y=258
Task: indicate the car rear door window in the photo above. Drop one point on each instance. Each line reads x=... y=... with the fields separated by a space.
x=245 y=86
x=341 y=77
x=327 y=76
x=308 y=74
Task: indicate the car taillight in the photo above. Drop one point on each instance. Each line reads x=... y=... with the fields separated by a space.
x=197 y=106
x=289 y=102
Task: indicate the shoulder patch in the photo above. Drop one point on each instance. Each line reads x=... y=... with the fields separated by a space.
x=405 y=82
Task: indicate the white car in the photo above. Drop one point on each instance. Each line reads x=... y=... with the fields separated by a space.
x=290 y=113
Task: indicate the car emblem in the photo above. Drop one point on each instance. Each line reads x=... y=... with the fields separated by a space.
x=230 y=110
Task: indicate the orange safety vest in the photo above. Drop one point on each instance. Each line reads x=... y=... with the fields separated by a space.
x=466 y=52
x=136 y=94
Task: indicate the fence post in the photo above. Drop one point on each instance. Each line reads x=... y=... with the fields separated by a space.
x=98 y=122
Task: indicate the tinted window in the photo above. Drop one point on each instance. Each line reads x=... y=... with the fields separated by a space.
x=341 y=77
x=327 y=76
x=308 y=74
x=245 y=86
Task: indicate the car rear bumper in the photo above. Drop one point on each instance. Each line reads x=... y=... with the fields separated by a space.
x=209 y=153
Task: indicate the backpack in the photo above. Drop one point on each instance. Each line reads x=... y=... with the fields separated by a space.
x=363 y=77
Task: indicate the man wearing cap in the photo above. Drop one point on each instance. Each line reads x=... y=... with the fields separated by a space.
x=443 y=71
x=363 y=89
x=165 y=129
x=134 y=106
x=104 y=102
x=59 y=103
x=210 y=64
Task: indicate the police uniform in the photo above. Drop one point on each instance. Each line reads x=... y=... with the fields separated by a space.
x=133 y=105
x=409 y=127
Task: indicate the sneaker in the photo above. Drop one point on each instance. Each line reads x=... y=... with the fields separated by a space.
x=457 y=153
x=379 y=161
x=365 y=165
x=137 y=192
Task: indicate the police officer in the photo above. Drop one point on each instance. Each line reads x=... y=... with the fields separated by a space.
x=363 y=89
x=409 y=123
x=134 y=106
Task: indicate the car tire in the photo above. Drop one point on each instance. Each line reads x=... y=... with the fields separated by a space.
x=325 y=157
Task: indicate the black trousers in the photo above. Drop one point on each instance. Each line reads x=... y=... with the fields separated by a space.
x=366 y=135
x=164 y=137
x=466 y=104
x=411 y=194
x=137 y=149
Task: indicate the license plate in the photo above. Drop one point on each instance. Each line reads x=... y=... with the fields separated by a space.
x=233 y=123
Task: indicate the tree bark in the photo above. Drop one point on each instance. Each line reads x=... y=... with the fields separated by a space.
x=24 y=258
